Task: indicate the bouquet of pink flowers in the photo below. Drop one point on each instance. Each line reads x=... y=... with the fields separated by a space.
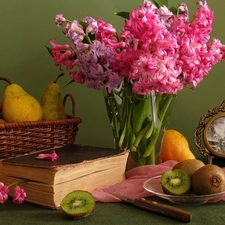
x=158 y=52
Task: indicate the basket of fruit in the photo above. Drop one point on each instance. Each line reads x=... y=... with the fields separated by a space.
x=27 y=125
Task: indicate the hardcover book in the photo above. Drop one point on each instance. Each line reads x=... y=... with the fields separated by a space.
x=78 y=167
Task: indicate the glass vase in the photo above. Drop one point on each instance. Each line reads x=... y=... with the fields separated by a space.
x=138 y=121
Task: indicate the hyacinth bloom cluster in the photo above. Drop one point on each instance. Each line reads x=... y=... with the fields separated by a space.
x=19 y=193
x=140 y=69
x=156 y=51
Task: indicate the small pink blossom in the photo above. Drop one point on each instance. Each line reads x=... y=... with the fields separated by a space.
x=52 y=156
x=19 y=195
x=75 y=32
x=62 y=55
x=92 y=26
x=4 y=190
x=59 y=19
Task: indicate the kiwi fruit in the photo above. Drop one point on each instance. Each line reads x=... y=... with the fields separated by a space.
x=189 y=165
x=78 y=204
x=209 y=179
x=175 y=182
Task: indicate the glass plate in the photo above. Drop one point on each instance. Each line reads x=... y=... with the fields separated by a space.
x=153 y=185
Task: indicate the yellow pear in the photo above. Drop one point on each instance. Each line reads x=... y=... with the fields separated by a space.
x=18 y=105
x=175 y=147
x=51 y=102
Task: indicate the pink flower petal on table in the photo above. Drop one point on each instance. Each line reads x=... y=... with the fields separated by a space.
x=52 y=156
x=19 y=195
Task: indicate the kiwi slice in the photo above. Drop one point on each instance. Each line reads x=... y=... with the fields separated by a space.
x=175 y=182
x=78 y=204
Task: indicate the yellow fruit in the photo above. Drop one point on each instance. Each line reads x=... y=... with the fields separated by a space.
x=19 y=106
x=175 y=147
x=52 y=103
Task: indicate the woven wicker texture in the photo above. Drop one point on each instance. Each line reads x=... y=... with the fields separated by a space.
x=21 y=138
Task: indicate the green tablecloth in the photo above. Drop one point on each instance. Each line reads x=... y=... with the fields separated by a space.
x=109 y=214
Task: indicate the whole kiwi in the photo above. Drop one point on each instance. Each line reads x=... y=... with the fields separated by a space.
x=209 y=179
x=189 y=165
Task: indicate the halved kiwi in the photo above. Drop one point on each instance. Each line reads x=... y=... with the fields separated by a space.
x=78 y=204
x=175 y=182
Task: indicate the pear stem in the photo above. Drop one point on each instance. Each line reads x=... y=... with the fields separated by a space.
x=60 y=75
x=5 y=79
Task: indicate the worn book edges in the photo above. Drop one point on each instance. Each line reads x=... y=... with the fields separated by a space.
x=78 y=167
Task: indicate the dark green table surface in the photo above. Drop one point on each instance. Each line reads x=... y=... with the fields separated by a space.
x=109 y=213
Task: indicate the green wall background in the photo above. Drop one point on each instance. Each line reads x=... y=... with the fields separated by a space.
x=26 y=27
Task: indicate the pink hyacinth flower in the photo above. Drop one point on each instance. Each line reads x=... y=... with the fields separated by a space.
x=4 y=190
x=19 y=195
x=52 y=156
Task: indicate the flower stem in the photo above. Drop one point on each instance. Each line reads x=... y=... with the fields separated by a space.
x=139 y=138
x=127 y=131
x=113 y=115
x=140 y=113
x=18 y=182
x=155 y=134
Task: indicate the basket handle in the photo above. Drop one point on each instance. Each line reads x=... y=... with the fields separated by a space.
x=72 y=101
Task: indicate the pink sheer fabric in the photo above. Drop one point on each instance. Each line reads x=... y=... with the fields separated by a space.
x=133 y=185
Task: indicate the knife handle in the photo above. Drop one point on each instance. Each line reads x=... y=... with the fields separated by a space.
x=162 y=209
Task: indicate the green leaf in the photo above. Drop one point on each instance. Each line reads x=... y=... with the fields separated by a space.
x=83 y=24
x=159 y=3
x=60 y=75
x=174 y=9
x=125 y=15
x=72 y=81
x=49 y=50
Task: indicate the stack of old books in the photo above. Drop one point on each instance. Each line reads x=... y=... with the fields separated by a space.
x=78 y=167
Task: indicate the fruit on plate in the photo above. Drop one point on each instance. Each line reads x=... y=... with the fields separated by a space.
x=51 y=102
x=175 y=147
x=78 y=204
x=18 y=105
x=209 y=179
x=175 y=182
x=189 y=165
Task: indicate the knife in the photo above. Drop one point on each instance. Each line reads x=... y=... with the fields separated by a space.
x=159 y=208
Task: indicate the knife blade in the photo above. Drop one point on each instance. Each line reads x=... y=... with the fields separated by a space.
x=159 y=208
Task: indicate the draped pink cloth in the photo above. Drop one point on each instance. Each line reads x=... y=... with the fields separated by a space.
x=133 y=185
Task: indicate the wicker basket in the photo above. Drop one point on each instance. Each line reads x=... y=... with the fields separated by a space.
x=26 y=137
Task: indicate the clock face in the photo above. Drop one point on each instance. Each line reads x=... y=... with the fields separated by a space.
x=214 y=135
x=209 y=135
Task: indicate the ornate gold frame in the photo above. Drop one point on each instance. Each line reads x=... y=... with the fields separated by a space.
x=205 y=132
